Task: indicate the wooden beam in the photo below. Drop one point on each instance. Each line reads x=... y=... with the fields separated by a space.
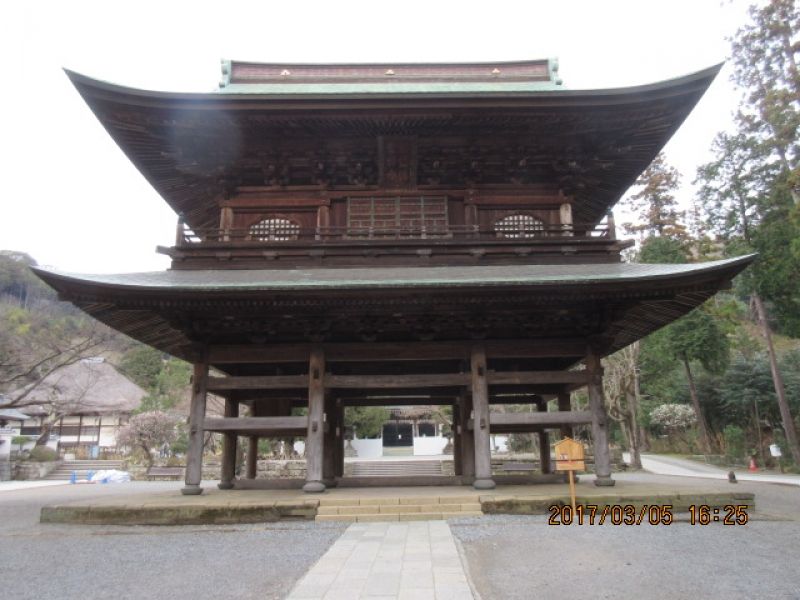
x=553 y=418
x=263 y=426
x=380 y=351
x=273 y=382
x=396 y=381
x=418 y=401
x=537 y=377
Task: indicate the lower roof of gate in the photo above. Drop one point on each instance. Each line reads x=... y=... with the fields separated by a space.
x=179 y=311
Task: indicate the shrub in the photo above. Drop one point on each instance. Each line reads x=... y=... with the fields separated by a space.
x=734 y=442
x=43 y=454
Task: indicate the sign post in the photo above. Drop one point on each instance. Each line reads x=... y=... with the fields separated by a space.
x=570 y=458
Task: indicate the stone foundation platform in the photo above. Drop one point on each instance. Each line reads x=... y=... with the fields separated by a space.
x=256 y=506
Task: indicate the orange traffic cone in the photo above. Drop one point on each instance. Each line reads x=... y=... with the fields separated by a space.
x=753 y=467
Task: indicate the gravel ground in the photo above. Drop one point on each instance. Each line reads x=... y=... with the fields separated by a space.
x=69 y=561
x=523 y=557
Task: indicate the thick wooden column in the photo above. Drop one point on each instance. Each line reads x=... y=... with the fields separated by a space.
x=229 y=443
x=480 y=409
x=197 y=415
x=316 y=424
x=329 y=445
x=565 y=405
x=339 y=439
x=252 y=457
x=544 y=442
x=467 y=437
x=455 y=428
x=602 y=454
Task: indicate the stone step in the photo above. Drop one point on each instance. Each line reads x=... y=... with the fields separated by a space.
x=399 y=509
x=81 y=469
x=380 y=517
x=396 y=468
x=419 y=500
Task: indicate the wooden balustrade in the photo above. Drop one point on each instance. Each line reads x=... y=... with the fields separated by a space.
x=337 y=235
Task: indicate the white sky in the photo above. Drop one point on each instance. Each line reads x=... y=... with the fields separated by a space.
x=71 y=199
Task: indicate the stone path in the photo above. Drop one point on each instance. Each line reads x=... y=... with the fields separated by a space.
x=404 y=561
x=681 y=467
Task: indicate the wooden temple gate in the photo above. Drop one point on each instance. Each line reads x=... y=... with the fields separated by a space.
x=350 y=232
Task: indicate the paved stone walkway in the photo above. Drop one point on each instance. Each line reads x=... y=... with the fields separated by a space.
x=402 y=561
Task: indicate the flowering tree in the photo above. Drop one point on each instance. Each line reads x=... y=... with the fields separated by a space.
x=673 y=418
x=148 y=431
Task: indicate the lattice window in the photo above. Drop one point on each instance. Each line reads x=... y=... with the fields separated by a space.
x=519 y=226
x=410 y=216
x=275 y=230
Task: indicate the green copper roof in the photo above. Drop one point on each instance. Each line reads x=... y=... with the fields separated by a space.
x=454 y=87
x=393 y=278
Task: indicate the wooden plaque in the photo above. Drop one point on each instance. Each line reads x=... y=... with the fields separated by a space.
x=569 y=455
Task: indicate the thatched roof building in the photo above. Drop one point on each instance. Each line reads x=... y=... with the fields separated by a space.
x=88 y=387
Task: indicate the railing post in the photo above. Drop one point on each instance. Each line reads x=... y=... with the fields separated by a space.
x=180 y=231
x=565 y=212
x=612 y=227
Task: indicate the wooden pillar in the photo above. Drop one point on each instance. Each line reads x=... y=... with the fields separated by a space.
x=544 y=442
x=197 y=414
x=340 y=441
x=329 y=438
x=565 y=405
x=252 y=457
x=455 y=428
x=467 y=438
x=480 y=410
x=602 y=454
x=316 y=415
x=229 y=443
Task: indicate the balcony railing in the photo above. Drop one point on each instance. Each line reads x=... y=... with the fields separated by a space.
x=292 y=234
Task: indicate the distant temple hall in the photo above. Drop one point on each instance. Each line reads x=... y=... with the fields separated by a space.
x=405 y=234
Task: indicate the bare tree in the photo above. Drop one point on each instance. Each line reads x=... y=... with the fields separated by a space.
x=623 y=399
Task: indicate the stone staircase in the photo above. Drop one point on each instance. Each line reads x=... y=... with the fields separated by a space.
x=81 y=468
x=410 y=508
x=397 y=468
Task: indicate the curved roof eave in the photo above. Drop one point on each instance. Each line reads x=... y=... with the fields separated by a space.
x=658 y=89
x=336 y=280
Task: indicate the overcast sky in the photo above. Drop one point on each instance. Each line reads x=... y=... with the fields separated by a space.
x=71 y=199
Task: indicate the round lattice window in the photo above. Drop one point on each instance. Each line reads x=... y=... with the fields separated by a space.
x=275 y=230
x=519 y=226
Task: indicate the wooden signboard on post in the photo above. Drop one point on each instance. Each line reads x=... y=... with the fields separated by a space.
x=570 y=457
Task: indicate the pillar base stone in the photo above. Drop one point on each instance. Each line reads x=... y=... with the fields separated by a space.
x=191 y=490
x=483 y=484
x=225 y=485
x=604 y=481
x=314 y=487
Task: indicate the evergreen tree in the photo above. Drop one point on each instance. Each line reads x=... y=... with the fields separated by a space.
x=753 y=186
x=655 y=203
